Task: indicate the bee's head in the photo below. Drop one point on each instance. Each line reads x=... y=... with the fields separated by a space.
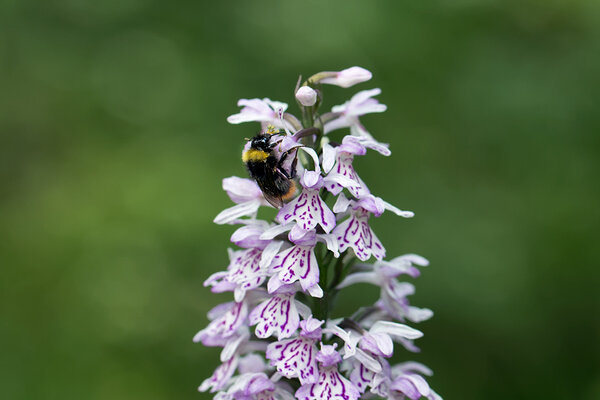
x=262 y=142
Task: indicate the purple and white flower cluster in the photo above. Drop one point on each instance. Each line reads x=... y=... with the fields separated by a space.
x=277 y=338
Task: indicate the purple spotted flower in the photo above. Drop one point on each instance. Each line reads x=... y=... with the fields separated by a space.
x=337 y=161
x=277 y=315
x=309 y=210
x=277 y=338
x=330 y=384
x=296 y=358
x=226 y=318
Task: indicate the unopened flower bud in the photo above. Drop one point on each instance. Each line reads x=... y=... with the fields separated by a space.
x=348 y=77
x=307 y=96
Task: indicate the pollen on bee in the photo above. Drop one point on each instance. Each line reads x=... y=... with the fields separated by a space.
x=254 y=155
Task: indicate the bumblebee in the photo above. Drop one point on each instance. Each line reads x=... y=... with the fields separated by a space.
x=266 y=168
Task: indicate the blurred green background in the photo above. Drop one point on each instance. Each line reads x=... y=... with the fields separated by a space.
x=114 y=143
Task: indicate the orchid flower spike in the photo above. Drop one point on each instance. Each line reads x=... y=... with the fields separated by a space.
x=277 y=338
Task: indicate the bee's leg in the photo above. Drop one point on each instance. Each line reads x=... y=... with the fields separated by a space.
x=282 y=159
x=293 y=168
x=282 y=173
x=306 y=132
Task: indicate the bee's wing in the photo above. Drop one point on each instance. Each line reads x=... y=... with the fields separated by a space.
x=275 y=201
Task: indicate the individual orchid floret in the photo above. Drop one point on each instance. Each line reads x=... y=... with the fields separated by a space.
x=265 y=111
x=307 y=96
x=248 y=268
x=377 y=206
x=296 y=358
x=331 y=384
x=308 y=209
x=383 y=271
x=226 y=319
x=367 y=345
x=246 y=194
x=246 y=271
x=393 y=293
x=346 y=115
x=299 y=236
x=337 y=162
x=278 y=315
x=355 y=233
x=409 y=383
x=364 y=378
x=344 y=78
x=379 y=339
x=298 y=263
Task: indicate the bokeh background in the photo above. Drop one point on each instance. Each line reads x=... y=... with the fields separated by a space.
x=114 y=143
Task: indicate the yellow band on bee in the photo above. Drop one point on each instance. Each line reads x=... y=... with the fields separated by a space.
x=254 y=155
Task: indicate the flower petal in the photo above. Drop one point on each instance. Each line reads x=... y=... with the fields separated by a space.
x=416 y=314
x=397 y=211
x=276 y=230
x=395 y=329
x=251 y=363
x=301 y=237
x=315 y=291
x=224 y=326
x=367 y=360
x=269 y=253
x=359 y=277
x=413 y=259
x=378 y=343
x=231 y=214
x=329 y=153
x=413 y=386
x=332 y=244
x=232 y=345
x=241 y=190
